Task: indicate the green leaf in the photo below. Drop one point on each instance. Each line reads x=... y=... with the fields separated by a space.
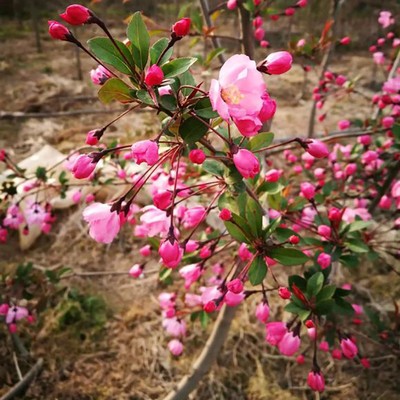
x=105 y=50
x=326 y=293
x=204 y=319
x=315 y=283
x=359 y=225
x=283 y=234
x=212 y=54
x=41 y=174
x=164 y=273
x=168 y=102
x=270 y=188
x=213 y=167
x=396 y=132
x=271 y=227
x=203 y=109
x=236 y=232
x=254 y=216
x=350 y=260
x=115 y=89
x=192 y=130
x=140 y=39
x=263 y=139
x=343 y=307
x=157 y=49
x=325 y=307
x=257 y=271
x=357 y=246
x=144 y=97
x=177 y=66
x=288 y=256
x=296 y=309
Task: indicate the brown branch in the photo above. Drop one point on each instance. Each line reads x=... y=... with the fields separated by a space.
x=207 y=357
x=26 y=381
x=334 y=12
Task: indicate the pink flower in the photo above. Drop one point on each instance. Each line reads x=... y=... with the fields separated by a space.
x=193 y=216
x=192 y=300
x=324 y=346
x=345 y=41
x=272 y=175
x=15 y=314
x=244 y=252
x=182 y=27
x=174 y=326
x=166 y=300
x=301 y=43
x=257 y=22
x=277 y=63
x=284 y=293
x=14 y=218
x=171 y=253
x=336 y=354
x=275 y=332
x=289 y=344
x=387 y=122
x=175 y=347
x=349 y=349
x=145 y=151
x=315 y=381
x=59 y=31
x=235 y=286
x=350 y=169
x=145 y=251
x=248 y=125
x=246 y=163
x=104 y=224
x=239 y=90
x=163 y=199
x=154 y=76
x=164 y=90
x=190 y=273
x=197 y=156
x=324 y=260
x=290 y=11
x=76 y=14
x=262 y=312
x=259 y=34
x=35 y=214
x=365 y=140
x=344 y=124
x=268 y=109
x=317 y=149
x=307 y=190
x=136 y=270
x=83 y=167
x=379 y=58
x=302 y=3
x=99 y=75
x=233 y=299
x=231 y=4
x=385 y=19
x=324 y=230
x=225 y=214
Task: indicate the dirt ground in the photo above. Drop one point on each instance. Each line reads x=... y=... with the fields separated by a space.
x=128 y=359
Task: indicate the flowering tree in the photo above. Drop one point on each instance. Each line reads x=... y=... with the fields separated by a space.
x=230 y=211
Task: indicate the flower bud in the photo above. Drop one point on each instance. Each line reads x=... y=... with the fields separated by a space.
x=182 y=27
x=83 y=167
x=175 y=346
x=171 y=253
x=163 y=199
x=246 y=163
x=284 y=293
x=324 y=260
x=145 y=151
x=294 y=239
x=349 y=348
x=276 y=63
x=225 y=214
x=136 y=270
x=315 y=381
x=154 y=76
x=59 y=31
x=76 y=14
x=197 y=156
x=235 y=286
x=262 y=312
x=317 y=149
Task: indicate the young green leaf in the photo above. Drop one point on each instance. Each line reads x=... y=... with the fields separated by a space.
x=257 y=271
x=140 y=39
x=288 y=256
x=177 y=66
x=115 y=89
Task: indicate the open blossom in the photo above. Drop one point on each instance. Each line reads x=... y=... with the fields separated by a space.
x=385 y=19
x=174 y=326
x=238 y=93
x=154 y=222
x=35 y=214
x=190 y=273
x=145 y=151
x=379 y=58
x=193 y=216
x=14 y=218
x=246 y=163
x=15 y=314
x=100 y=75
x=275 y=332
x=104 y=224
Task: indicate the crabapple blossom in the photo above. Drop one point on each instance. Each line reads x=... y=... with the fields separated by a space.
x=324 y=260
x=145 y=151
x=277 y=63
x=317 y=149
x=100 y=75
x=246 y=163
x=289 y=344
x=315 y=381
x=175 y=346
x=197 y=156
x=262 y=312
x=154 y=76
x=171 y=253
x=275 y=332
x=182 y=27
x=83 y=166
x=104 y=224
x=349 y=348
x=59 y=31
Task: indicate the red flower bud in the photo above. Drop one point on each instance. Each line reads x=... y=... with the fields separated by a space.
x=182 y=27
x=154 y=76
x=76 y=14
x=59 y=31
x=284 y=293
